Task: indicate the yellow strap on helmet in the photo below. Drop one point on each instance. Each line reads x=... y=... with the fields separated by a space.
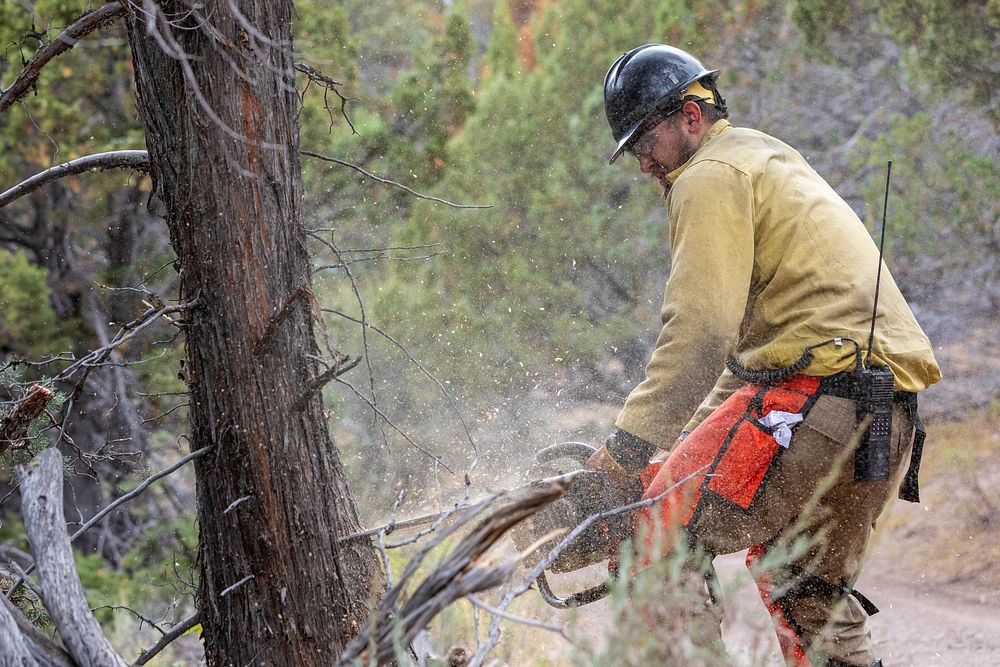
x=698 y=90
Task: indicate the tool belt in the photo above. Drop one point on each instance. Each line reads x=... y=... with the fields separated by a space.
x=872 y=391
x=846 y=385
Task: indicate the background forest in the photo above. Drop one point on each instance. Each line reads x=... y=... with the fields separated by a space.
x=518 y=317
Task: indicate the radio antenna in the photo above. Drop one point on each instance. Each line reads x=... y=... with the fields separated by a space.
x=878 y=275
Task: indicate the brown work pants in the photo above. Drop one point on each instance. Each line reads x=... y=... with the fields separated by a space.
x=800 y=503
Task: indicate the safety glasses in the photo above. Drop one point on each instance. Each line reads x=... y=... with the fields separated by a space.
x=646 y=137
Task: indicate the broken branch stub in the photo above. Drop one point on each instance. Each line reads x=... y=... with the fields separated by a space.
x=42 y=502
x=15 y=425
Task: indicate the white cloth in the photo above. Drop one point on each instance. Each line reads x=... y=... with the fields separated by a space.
x=780 y=424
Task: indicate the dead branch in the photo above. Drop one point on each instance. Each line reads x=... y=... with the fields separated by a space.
x=15 y=425
x=433 y=378
x=380 y=179
x=133 y=159
x=235 y=586
x=462 y=573
x=439 y=517
x=379 y=413
x=15 y=646
x=388 y=528
x=329 y=243
x=128 y=332
x=121 y=501
x=530 y=622
x=16 y=630
x=376 y=258
x=41 y=485
x=236 y=503
x=380 y=542
x=66 y=40
x=328 y=85
x=142 y=619
x=173 y=633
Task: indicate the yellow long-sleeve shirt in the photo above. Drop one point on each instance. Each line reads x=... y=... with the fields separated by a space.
x=766 y=259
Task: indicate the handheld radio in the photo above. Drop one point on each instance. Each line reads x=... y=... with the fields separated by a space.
x=874 y=386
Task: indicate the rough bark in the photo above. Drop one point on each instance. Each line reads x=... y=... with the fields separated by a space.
x=275 y=588
x=41 y=483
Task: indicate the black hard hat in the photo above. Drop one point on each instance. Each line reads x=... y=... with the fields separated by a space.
x=648 y=80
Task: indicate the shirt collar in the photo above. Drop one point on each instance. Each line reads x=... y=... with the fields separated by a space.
x=718 y=127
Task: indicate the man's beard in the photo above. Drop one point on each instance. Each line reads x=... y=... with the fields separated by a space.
x=662 y=182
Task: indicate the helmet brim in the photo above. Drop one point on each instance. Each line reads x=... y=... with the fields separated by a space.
x=626 y=140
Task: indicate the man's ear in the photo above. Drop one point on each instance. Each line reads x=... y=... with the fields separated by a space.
x=692 y=115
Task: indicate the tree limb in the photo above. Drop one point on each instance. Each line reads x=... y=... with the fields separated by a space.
x=529 y=579
x=345 y=163
x=15 y=646
x=111 y=160
x=444 y=391
x=530 y=622
x=173 y=633
x=317 y=383
x=126 y=333
x=41 y=486
x=328 y=85
x=66 y=40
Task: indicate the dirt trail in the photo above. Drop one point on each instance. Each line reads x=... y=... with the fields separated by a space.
x=931 y=629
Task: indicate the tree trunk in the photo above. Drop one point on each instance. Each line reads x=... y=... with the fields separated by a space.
x=223 y=145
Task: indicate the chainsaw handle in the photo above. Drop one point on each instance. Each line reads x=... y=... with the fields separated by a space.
x=578 y=451
x=579 y=599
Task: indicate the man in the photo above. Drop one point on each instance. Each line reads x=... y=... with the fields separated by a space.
x=765 y=351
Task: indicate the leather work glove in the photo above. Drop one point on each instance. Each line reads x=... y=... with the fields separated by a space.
x=622 y=457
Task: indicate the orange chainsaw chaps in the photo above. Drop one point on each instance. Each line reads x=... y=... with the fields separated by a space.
x=727 y=457
x=788 y=638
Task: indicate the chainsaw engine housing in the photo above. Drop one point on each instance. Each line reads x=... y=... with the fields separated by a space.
x=590 y=492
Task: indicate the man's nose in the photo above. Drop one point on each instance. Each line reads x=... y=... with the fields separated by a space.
x=646 y=164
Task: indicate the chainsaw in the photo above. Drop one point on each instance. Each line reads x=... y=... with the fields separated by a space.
x=590 y=493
